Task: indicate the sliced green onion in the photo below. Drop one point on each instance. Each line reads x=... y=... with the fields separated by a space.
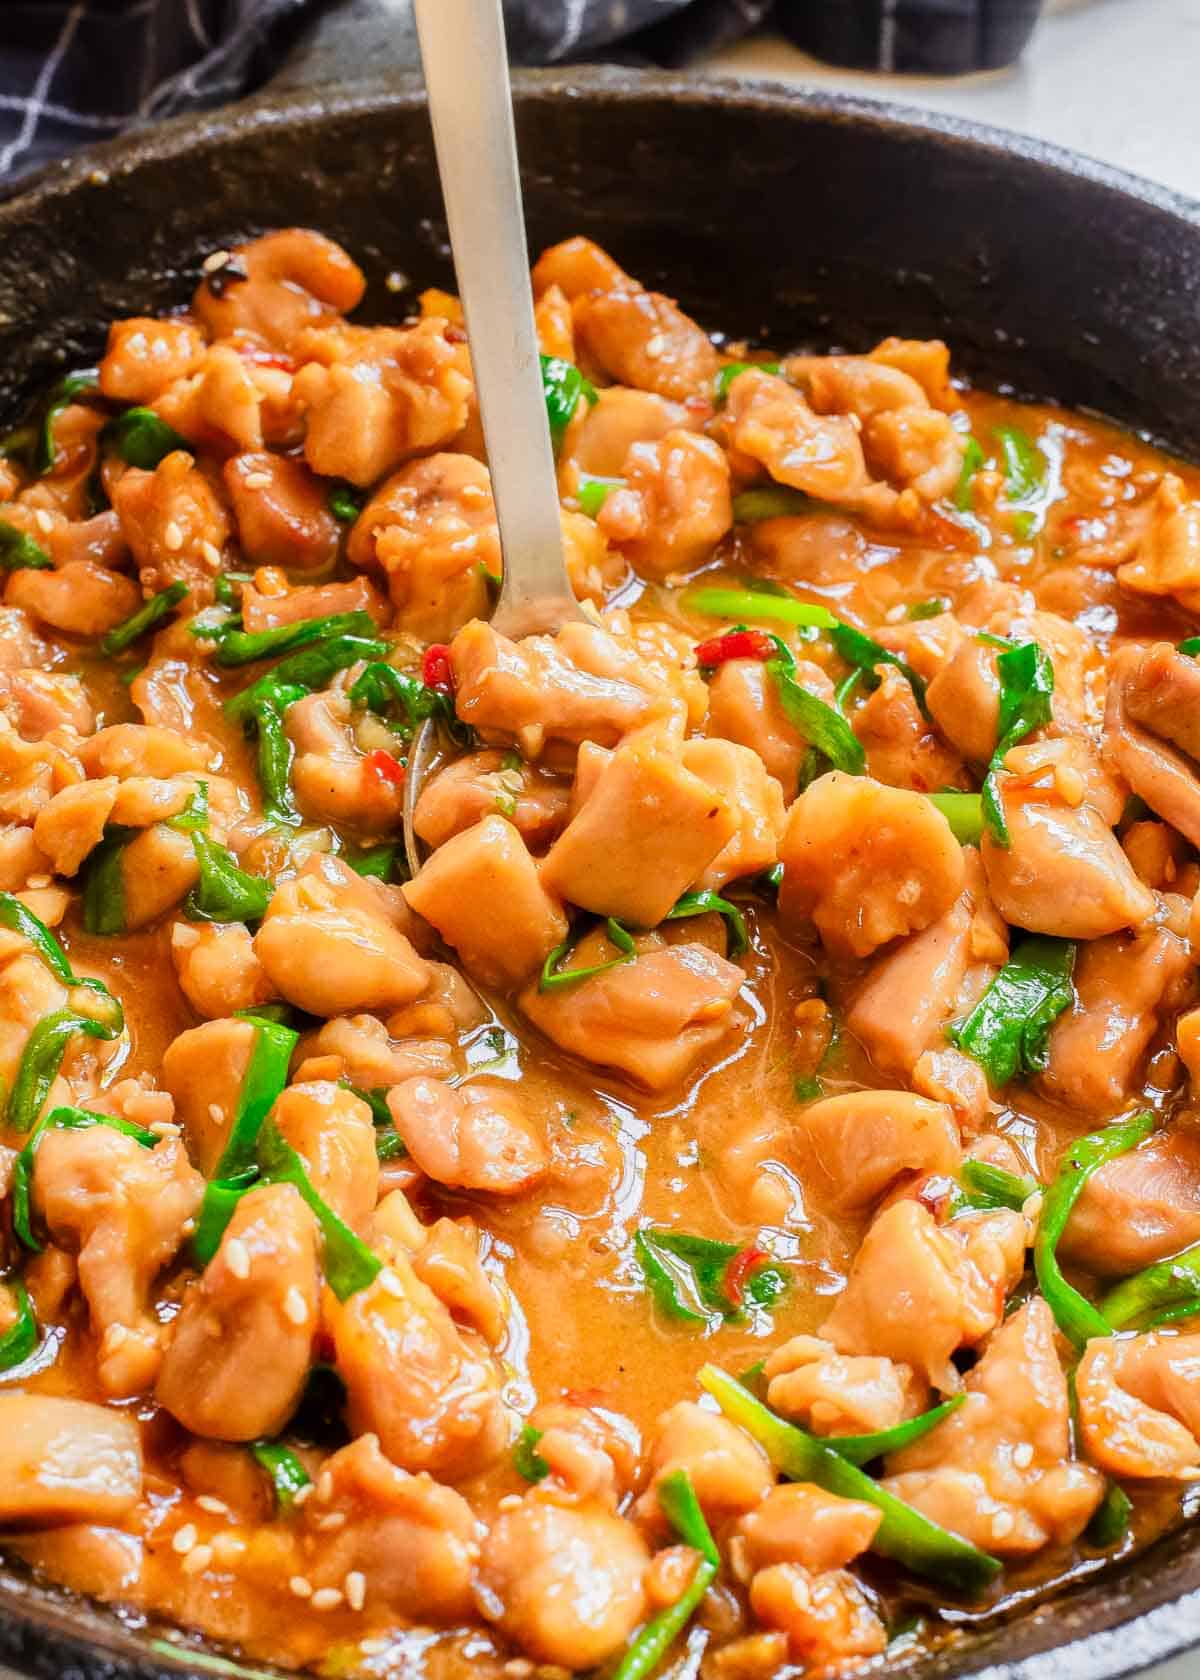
x=821 y=726
x=1169 y=1286
x=731 y=370
x=863 y=651
x=934 y=607
x=224 y=892
x=19 y=552
x=194 y=816
x=700 y=904
x=104 y=882
x=1008 y=1031
x=145 y=618
x=563 y=387
x=753 y=603
x=310 y=668
x=1026 y=689
x=43 y=1056
x=592 y=492
x=553 y=978
x=64 y=393
x=862 y=1449
x=993 y=1187
x=141 y=439
x=677 y=1498
x=774 y=501
x=527 y=1461
x=964 y=813
x=1110 y=1523
x=20 y=1340
x=349 y=1265
x=288 y=1475
x=1024 y=464
x=688 y=1276
x=380 y=862
x=345 y=503
x=964 y=490
x=235 y=646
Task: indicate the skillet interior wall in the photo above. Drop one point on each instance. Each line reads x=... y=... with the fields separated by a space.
x=811 y=219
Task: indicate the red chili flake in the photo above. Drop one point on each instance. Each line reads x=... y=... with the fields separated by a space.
x=384 y=767
x=737 y=1273
x=267 y=358
x=736 y=644
x=436 y=671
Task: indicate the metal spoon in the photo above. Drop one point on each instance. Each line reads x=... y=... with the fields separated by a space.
x=470 y=103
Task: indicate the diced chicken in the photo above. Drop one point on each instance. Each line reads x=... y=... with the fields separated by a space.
x=1064 y=872
x=533 y=799
x=917 y=1292
x=331 y=945
x=565 y=1582
x=902 y=750
x=124 y=1210
x=21 y=648
x=674 y=506
x=31 y=772
x=602 y=435
x=729 y=1471
x=800 y=1523
x=138 y=749
x=576 y=266
x=927 y=360
x=1167 y=561
x=217 y=969
x=1139 y=1406
x=646 y=831
x=414 y=1543
x=744 y=706
x=768 y=420
x=652 y=1019
x=999 y=1471
x=145 y=356
x=370 y=1058
x=964 y=700
x=204 y=1069
x=1162 y=694
x=175 y=525
x=333 y=779
x=738 y=774
x=1141 y=1207
x=593 y=1453
x=99 y=539
x=286 y=520
x=20 y=857
x=334 y=1133
x=158 y=869
x=555 y=326
x=80 y=599
x=450 y=1261
x=431 y=528
x=643 y=339
x=275 y=287
x=866 y=863
x=910 y=992
x=861 y=1143
x=477 y=1138
x=46 y=704
x=71 y=824
x=833 y=1393
x=827 y=1618
x=242 y=1344
x=28 y=993
x=426 y=1388
x=219 y=407
x=66 y=1461
x=489 y=865
x=1148 y=718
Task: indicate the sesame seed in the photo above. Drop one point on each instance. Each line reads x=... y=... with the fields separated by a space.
x=355 y=1586
x=227 y=1549
x=304 y=1495
x=197 y=1560
x=300 y=1586
x=655 y=345
x=211 y=553
x=509 y=1502
x=1003 y=1524
x=1023 y=1455
x=207 y=1502
x=295 y=1307
x=216 y=260
x=185 y=1539
x=374 y=1647
x=325 y=1485
x=390 y=1283
x=216 y=1112
x=257 y=481
x=115 y=1336
x=43 y=521
x=38 y=881
x=335 y=1519
x=172 y=536
x=518 y=1668
x=237 y=1257
x=326 y=1598
x=396 y=282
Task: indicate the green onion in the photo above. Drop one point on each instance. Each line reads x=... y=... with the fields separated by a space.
x=993 y=1187
x=822 y=726
x=1024 y=464
x=964 y=490
x=964 y=813
x=225 y=893
x=1110 y=1523
x=145 y=618
x=104 y=882
x=221 y=1197
x=752 y=603
x=18 y=918
x=225 y=587
x=64 y=393
x=345 y=503
x=194 y=816
x=806 y=1087
x=700 y=904
x=688 y=1276
x=380 y=862
x=677 y=1498
x=1169 y=1286
x=563 y=386
x=288 y=1475
x=861 y=1449
x=141 y=439
x=527 y=1461
x=1008 y=1030
x=592 y=492
x=775 y=501
x=1075 y=1316
x=21 y=1338
x=904 y=1535
x=934 y=607
x=730 y=372
x=19 y=552
x=349 y=1264
x=389 y=1145
x=553 y=979
x=1026 y=687
x=235 y=646
x=275 y=753
x=66 y=1118
x=865 y=653
x=41 y=1059
x=310 y=668
x=1190 y=646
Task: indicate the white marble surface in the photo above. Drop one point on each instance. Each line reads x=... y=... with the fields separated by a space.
x=1119 y=79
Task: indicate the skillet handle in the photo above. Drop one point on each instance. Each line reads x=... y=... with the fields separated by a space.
x=349 y=41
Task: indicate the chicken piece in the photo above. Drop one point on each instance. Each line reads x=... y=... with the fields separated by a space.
x=80 y=599
x=565 y=1582
x=242 y=1345
x=431 y=528
x=739 y=776
x=901 y=748
x=216 y=968
x=1123 y=984
x=99 y=539
x=145 y=356
x=911 y=991
x=918 y=1291
x=218 y=408
x=674 y=506
x=204 y=1070
x=768 y=420
x=267 y=610
x=964 y=699
x=66 y=1461
x=1137 y=1209
x=652 y=1019
x=800 y=1523
x=948 y=1076
x=1158 y=853
x=158 y=869
x=1139 y=1406
x=375 y=396
x=833 y=1394
x=555 y=326
x=284 y=521
x=489 y=865
x=71 y=823
x=20 y=857
x=450 y=1261
x=333 y=779
x=593 y=1453
x=927 y=360
x=858 y=385
x=275 y=287
x=476 y=1138
x=31 y=772
x=372 y=1059
x=584 y=685
x=744 y=706
x=600 y=438
x=413 y=1542
x=644 y=834
x=866 y=863
x=643 y=339
x=138 y=749
x=28 y=993
x=576 y=266
x=1064 y=872
x=334 y=1132
x=21 y=648
x=125 y=1211
x=1147 y=719
x=729 y=1471
x=1167 y=561
x=331 y=944
x=426 y=1388
x=46 y=703
x=916 y=449
x=860 y=1144
x=533 y=799
x=827 y=1618
x=999 y=1471
x=174 y=524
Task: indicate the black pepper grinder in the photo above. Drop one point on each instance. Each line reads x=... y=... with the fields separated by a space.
x=916 y=37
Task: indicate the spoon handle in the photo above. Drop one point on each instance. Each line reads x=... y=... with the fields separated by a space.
x=466 y=74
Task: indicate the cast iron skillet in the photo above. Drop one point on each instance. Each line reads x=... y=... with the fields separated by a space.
x=800 y=218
